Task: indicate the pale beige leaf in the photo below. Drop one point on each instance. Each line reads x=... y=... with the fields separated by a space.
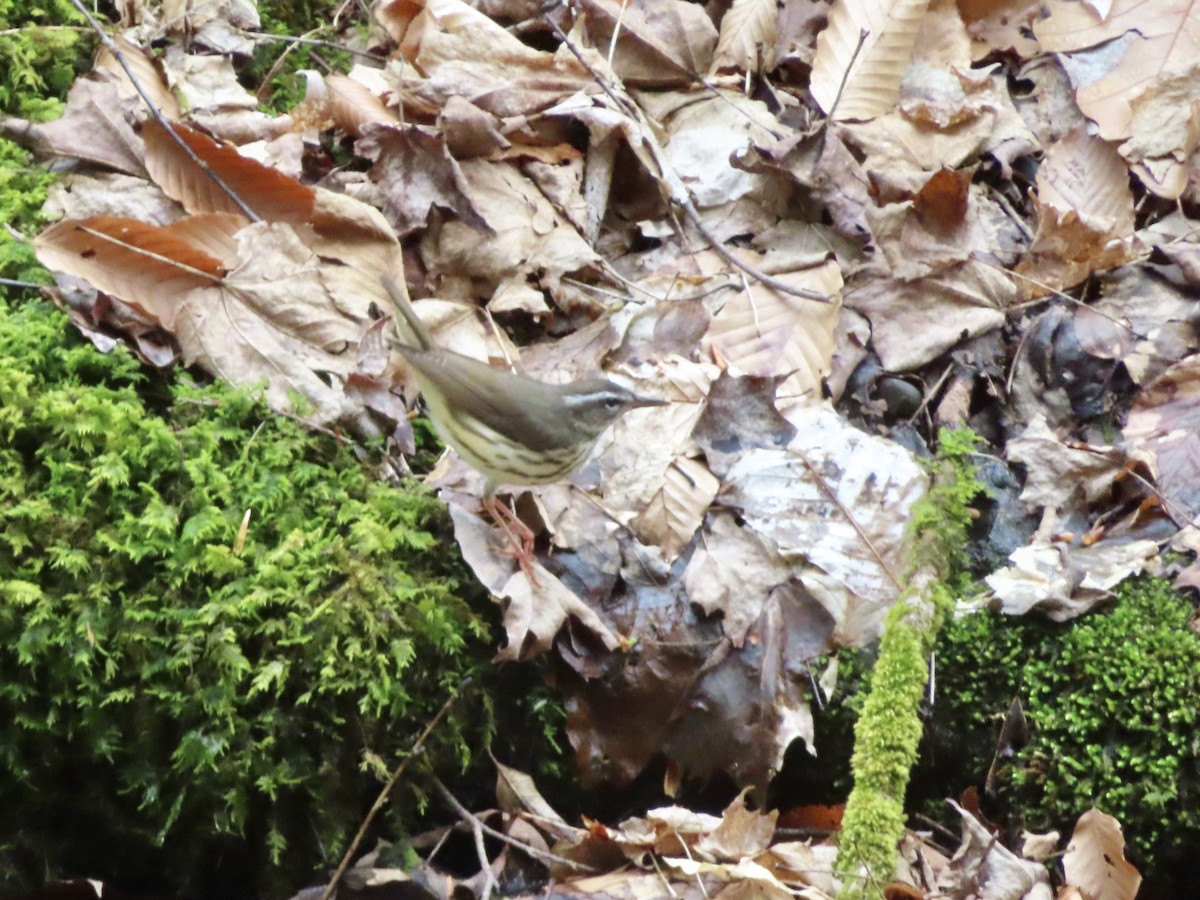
x=658 y=42
x=984 y=867
x=528 y=234
x=1165 y=131
x=1047 y=576
x=534 y=613
x=1039 y=847
x=743 y=832
x=396 y=15
x=850 y=522
x=915 y=322
x=346 y=103
x=145 y=69
x=1082 y=174
x=517 y=792
x=1095 y=859
x=1167 y=41
x=732 y=573
x=81 y=195
x=1001 y=25
x=633 y=456
x=279 y=278
x=702 y=137
x=1064 y=476
x=749 y=31
x=259 y=313
x=92 y=127
x=231 y=339
x=678 y=508
x=534 y=609
x=462 y=52
x=1085 y=214
x=763 y=332
x=873 y=83
x=205 y=82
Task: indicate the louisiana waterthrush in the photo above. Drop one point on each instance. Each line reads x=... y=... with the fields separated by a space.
x=513 y=429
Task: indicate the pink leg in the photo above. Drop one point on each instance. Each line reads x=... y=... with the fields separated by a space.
x=518 y=533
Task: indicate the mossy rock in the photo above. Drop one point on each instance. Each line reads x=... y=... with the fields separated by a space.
x=175 y=692
x=1111 y=700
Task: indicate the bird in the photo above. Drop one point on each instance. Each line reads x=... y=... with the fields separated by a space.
x=512 y=429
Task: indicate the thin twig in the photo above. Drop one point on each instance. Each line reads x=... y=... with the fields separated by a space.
x=932 y=392
x=837 y=98
x=1008 y=210
x=316 y=42
x=12 y=282
x=5 y=32
x=150 y=254
x=636 y=288
x=1061 y=295
x=677 y=193
x=469 y=817
x=485 y=865
x=832 y=495
x=775 y=284
x=387 y=789
x=264 y=85
x=208 y=170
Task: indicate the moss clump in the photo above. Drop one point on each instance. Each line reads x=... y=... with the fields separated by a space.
x=889 y=730
x=171 y=694
x=43 y=47
x=23 y=189
x=1113 y=701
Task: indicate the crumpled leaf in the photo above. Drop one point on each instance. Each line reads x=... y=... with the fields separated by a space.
x=1060 y=474
x=659 y=42
x=1164 y=423
x=1085 y=214
x=1147 y=96
x=1095 y=859
x=1064 y=581
x=533 y=613
x=781 y=497
x=985 y=867
x=749 y=31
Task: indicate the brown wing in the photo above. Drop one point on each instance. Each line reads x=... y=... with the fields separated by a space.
x=528 y=411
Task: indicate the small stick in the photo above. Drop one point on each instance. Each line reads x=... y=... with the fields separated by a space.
x=470 y=818
x=387 y=789
x=112 y=48
x=678 y=192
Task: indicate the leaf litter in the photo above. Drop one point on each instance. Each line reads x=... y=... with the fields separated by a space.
x=983 y=191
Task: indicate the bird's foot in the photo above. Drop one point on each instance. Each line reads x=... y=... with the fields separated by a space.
x=520 y=537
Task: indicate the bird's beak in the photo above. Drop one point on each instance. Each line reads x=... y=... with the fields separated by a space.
x=639 y=402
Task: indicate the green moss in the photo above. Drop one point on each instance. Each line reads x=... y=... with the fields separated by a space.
x=284 y=88
x=889 y=729
x=164 y=684
x=23 y=188
x=43 y=48
x=1112 y=699
x=40 y=56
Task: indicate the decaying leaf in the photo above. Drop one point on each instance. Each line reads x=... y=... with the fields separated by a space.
x=1095 y=859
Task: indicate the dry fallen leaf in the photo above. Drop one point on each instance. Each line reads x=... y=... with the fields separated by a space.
x=1095 y=859
x=749 y=31
x=1146 y=97
x=876 y=69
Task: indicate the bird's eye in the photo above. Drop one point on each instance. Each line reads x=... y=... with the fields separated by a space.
x=614 y=402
